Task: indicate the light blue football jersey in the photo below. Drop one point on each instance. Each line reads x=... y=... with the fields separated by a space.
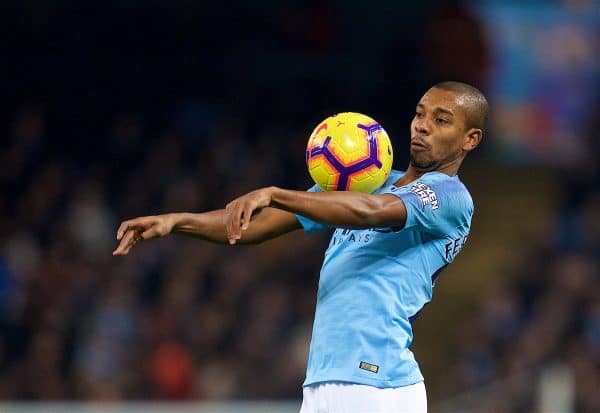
x=373 y=282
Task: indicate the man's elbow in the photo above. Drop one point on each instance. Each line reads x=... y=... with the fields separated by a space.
x=384 y=212
x=369 y=213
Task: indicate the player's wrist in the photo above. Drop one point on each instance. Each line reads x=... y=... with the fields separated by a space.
x=274 y=195
x=175 y=221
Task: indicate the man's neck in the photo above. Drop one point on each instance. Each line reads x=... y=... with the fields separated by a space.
x=413 y=173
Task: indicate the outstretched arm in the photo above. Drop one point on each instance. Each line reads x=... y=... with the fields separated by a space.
x=340 y=209
x=266 y=224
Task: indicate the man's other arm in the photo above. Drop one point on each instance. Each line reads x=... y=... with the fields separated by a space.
x=268 y=223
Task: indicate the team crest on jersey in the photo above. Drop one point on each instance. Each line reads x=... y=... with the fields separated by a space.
x=426 y=195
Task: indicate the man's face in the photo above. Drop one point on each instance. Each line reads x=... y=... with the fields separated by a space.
x=437 y=130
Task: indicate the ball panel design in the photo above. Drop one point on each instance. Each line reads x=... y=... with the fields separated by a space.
x=349 y=151
x=323 y=173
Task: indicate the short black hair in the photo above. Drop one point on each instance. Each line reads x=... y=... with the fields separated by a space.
x=477 y=105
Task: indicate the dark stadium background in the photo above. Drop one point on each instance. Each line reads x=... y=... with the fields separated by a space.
x=111 y=110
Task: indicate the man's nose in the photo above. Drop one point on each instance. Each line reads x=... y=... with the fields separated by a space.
x=421 y=126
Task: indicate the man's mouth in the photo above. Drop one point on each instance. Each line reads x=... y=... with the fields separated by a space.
x=418 y=144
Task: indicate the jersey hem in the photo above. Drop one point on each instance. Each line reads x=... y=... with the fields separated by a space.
x=382 y=384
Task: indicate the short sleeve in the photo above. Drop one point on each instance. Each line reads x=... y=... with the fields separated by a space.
x=436 y=207
x=308 y=224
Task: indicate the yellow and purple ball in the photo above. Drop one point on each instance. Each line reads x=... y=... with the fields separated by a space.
x=349 y=152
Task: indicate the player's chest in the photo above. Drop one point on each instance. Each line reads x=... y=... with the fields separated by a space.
x=389 y=238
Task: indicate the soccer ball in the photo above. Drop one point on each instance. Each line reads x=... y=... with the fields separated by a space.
x=349 y=152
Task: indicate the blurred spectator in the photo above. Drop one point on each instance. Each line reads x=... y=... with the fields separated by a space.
x=172 y=372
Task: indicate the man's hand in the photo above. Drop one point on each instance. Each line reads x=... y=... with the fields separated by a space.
x=132 y=231
x=239 y=212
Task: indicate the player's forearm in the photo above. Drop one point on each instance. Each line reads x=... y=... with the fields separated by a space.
x=209 y=226
x=206 y=225
x=342 y=209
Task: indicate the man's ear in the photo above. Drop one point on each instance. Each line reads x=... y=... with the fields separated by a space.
x=472 y=139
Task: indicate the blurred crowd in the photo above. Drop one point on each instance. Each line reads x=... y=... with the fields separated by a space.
x=173 y=110
x=176 y=319
x=545 y=314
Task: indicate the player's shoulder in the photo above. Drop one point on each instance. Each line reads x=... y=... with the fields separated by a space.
x=447 y=184
x=437 y=185
x=439 y=180
x=448 y=194
x=451 y=189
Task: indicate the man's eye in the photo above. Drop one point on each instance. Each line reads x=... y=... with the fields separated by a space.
x=418 y=115
x=441 y=121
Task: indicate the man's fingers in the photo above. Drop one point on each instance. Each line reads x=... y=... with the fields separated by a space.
x=236 y=224
x=246 y=217
x=131 y=224
x=134 y=230
x=238 y=215
x=126 y=243
x=140 y=224
x=122 y=229
x=231 y=219
x=149 y=233
x=119 y=248
x=227 y=220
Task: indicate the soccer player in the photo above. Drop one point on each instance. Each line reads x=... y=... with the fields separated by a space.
x=385 y=254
